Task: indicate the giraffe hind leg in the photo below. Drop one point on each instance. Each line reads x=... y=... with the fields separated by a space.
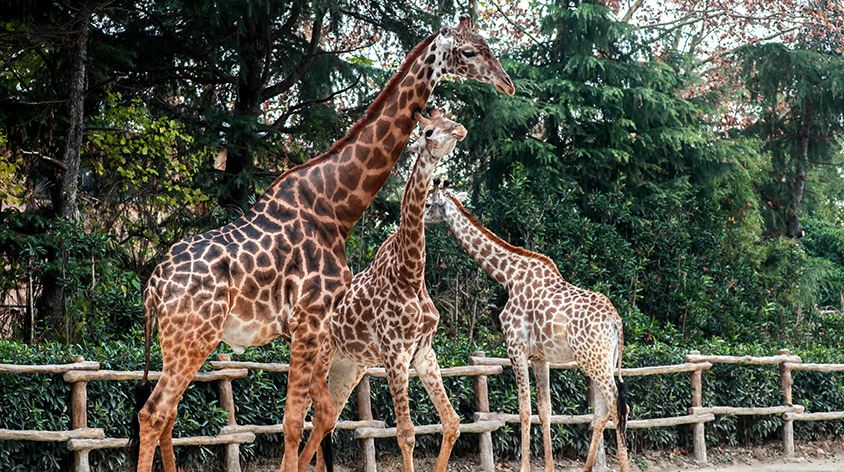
x=159 y=411
x=609 y=404
x=343 y=377
x=143 y=390
x=168 y=456
x=599 y=423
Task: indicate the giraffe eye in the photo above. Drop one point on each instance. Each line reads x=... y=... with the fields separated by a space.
x=469 y=53
x=429 y=133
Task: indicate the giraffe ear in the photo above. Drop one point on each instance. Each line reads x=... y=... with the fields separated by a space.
x=461 y=196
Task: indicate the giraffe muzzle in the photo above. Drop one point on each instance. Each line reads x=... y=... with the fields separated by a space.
x=504 y=84
x=459 y=133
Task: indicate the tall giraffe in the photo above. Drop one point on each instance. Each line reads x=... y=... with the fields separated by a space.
x=545 y=320
x=387 y=316
x=280 y=269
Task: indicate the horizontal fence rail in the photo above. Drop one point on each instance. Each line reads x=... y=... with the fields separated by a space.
x=81 y=439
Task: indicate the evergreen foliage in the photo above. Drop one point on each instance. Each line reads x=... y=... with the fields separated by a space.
x=727 y=238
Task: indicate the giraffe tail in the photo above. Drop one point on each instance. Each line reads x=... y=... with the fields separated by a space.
x=328 y=451
x=143 y=389
x=623 y=409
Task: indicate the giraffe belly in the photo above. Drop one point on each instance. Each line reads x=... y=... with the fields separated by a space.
x=239 y=333
x=551 y=342
x=556 y=353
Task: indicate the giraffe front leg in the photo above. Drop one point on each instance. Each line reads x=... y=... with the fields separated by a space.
x=429 y=373
x=543 y=393
x=397 y=365
x=518 y=358
x=325 y=412
x=304 y=350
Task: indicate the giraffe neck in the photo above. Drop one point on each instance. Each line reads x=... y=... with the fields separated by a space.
x=498 y=258
x=410 y=237
x=352 y=172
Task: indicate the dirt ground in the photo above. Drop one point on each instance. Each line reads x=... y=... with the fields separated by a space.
x=825 y=456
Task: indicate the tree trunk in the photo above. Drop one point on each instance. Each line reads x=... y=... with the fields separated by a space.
x=799 y=184
x=68 y=208
x=255 y=50
x=51 y=302
x=255 y=47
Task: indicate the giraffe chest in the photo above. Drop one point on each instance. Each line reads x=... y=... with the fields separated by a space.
x=379 y=317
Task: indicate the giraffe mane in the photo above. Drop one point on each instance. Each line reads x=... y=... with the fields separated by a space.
x=371 y=111
x=497 y=240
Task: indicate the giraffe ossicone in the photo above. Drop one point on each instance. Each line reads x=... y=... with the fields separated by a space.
x=280 y=269
x=545 y=320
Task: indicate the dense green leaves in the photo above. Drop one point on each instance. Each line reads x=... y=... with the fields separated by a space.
x=727 y=240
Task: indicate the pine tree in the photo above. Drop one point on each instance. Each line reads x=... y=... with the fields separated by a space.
x=799 y=95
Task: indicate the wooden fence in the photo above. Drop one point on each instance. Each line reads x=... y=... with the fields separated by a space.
x=81 y=439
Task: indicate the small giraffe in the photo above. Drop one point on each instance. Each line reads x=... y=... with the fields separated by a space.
x=545 y=320
x=387 y=316
x=280 y=269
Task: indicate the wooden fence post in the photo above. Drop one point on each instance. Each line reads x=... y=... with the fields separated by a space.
x=482 y=405
x=786 y=383
x=365 y=413
x=227 y=403
x=698 y=429
x=79 y=418
x=601 y=459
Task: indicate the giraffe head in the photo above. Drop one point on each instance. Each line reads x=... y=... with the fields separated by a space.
x=468 y=55
x=439 y=134
x=439 y=201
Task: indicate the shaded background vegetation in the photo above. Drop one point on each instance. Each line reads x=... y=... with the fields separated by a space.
x=699 y=186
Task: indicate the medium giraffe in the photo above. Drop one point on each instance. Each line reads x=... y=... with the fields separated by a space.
x=387 y=316
x=280 y=269
x=545 y=320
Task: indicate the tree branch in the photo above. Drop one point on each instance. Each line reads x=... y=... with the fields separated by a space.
x=279 y=123
x=47 y=159
x=515 y=25
x=632 y=10
x=310 y=54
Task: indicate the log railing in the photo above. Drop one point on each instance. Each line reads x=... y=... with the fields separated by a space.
x=81 y=439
